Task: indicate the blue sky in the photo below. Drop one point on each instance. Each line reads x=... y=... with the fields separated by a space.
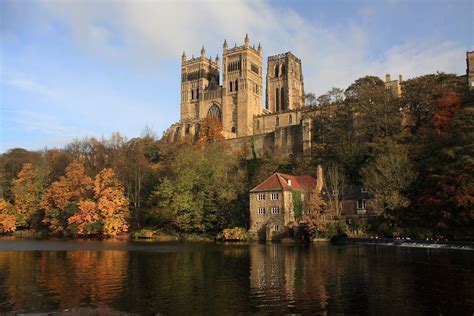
x=71 y=69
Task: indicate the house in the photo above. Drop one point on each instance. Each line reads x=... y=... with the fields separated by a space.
x=352 y=202
x=279 y=203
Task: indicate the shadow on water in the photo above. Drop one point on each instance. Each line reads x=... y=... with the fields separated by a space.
x=176 y=277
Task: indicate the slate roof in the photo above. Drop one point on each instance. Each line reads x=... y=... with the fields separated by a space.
x=279 y=182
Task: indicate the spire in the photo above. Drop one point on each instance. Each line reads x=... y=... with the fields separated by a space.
x=259 y=48
x=247 y=41
x=203 y=52
x=225 y=46
x=217 y=59
x=183 y=57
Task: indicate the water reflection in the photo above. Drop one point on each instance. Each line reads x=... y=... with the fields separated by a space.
x=206 y=278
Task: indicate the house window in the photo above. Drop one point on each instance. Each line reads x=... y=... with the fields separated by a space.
x=274 y=196
x=261 y=211
x=363 y=190
x=261 y=197
x=275 y=210
x=361 y=204
x=275 y=228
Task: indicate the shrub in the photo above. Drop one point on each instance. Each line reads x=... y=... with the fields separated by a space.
x=7 y=223
x=233 y=234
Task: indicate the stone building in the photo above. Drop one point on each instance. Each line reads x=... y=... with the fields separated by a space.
x=470 y=69
x=272 y=209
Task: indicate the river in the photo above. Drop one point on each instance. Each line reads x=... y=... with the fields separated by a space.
x=178 y=277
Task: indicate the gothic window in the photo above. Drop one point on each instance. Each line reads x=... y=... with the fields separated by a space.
x=214 y=111
x=277 y=100
x=276 y=71
x=283 y=106
x=197 y=94
x=187 y=128
x=233 y=129
x=237 y=85
x=283 y=70
x=277 y=121
x=230 y=86
x=258 y=124
x=290 y=119
x=192 y=94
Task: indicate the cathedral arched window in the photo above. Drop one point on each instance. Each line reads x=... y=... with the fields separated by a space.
x=188 y=127
x=290 y=119
x=276 y=71
x=197 y=94
x=277 y=100
x=277 y=121
x=214 y=111
x=233 y=129
x=283 y=105
x=230 y=86
x=283 y=70
x=192 y=94
x=237 y=85
x=258 y=124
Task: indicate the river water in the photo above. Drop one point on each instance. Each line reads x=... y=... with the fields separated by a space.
x=178 y=277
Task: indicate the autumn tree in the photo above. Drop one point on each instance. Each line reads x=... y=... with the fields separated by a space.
x=7 y=217
x=334 y=185
x=61 y=199
x=210 y=130
x=27 y=190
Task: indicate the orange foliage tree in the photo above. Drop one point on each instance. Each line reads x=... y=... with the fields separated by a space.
x=449 y=105
x=63 y=196
x=26 y=194
x=210 y=130
x=7 y=219
x=107 y=213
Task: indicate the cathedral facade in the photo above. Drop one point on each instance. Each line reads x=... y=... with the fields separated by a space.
x=237 y=101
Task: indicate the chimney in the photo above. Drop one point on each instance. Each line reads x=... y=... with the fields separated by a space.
x=319 y=178
x=387 y=78
x=399 y=78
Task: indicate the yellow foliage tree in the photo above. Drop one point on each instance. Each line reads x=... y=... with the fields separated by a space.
x=112 y=204
x=7 y=219
x=26 y=194
x=87 y=220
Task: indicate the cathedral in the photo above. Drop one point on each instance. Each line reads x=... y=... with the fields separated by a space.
x=238 y=99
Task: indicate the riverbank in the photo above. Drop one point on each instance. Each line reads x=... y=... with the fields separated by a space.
x=416 y=243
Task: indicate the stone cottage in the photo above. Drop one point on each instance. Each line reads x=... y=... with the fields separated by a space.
x=272 y=204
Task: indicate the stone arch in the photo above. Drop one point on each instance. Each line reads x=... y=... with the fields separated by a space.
x=215 y=111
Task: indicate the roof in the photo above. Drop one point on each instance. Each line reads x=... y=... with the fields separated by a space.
x=281 y=182
x=352 y=192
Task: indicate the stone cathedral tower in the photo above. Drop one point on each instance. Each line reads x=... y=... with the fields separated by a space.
x=285 y=90
x=241 y=87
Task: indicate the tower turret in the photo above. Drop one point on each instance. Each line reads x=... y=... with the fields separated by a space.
x=247 y=41
x=203 y=52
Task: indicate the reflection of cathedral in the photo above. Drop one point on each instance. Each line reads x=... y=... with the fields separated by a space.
x=238 y=100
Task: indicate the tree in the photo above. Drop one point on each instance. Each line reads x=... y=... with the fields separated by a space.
x=27 y=191
x=61 y=199
x=7 y=217
x=310 y=99
x=316 y=202
x=334 y=185
x=388 y=177
x=112 y=205
x=210 y=130
x=335 y=95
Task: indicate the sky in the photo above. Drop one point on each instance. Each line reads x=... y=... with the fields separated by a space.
x=88 y=68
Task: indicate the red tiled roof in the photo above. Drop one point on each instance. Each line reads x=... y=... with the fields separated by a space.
x=279 y=181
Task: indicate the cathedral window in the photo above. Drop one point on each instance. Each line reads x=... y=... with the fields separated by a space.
x=290 y=119
x=283 y=70
x=283 y=108
x=230 y=86
x=192 y=94
x=187 y=128
x=197 y=94
x=276 y=71
x=233 y=129
x=258 y=124
x=277 y=121
x=236 y=85
x=277 y=99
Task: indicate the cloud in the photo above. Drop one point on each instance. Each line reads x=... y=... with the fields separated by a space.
x=146 y=33
x=33 y=87
x=42 y=123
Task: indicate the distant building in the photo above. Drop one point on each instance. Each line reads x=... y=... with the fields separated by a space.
x=470 y=69
x=272 y=209
x=395 y=86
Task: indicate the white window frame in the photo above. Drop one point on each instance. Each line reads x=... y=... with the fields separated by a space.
x=275 y=210
x=261 y=211
x=261 y=197
x=363 y=190
x=274 y=196
x=362 y=205
x=275 y=228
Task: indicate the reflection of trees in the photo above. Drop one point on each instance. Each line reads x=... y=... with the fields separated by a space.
x=59 y=279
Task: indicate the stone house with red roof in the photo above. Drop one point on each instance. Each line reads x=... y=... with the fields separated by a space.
x=272 y=209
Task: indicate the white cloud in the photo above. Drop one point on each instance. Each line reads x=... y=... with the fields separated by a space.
x=147 y=32
x=32 y=86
